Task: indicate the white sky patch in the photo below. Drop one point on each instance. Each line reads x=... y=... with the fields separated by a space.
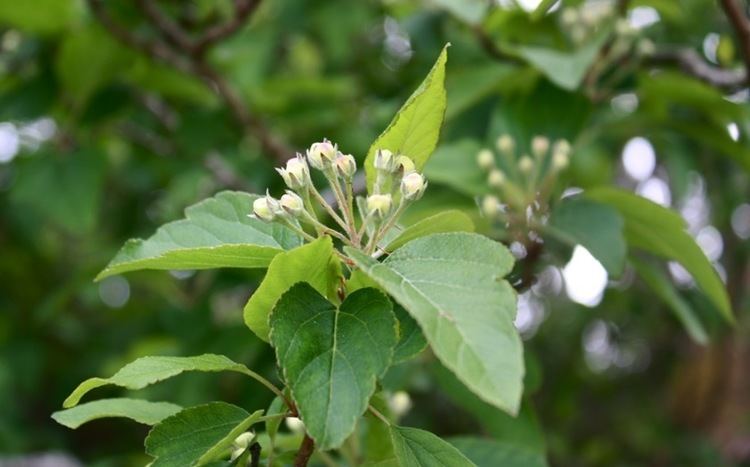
x=625 y=103
x=710 y=46
x=529 y=5
x=639 y=158
x=680 y=275
x=643 y=16
x=710 y=241
x=114 y=291
x=741 y=221
x=585 y=278
x=734 y=131
x=9 y=142
x=656 y=190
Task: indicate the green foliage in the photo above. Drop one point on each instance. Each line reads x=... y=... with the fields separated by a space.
x=446 y=221
x=332 y=356
x=419 y=448
x=197 y=435
x=452 y=285
x=489 y=453
x=148 y=413
x=216 y=233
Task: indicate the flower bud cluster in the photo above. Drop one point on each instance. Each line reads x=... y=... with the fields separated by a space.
x=582 y=22
x=397 y=184
x=521 y=180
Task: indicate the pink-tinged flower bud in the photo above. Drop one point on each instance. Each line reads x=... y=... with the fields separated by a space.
x=264 y=210
x=413 y=186
x=345 y=165
x=384 y=160
x=296 y=175
x=321 y=155
x=292 y=203
x=379 y=205
x=539 y=146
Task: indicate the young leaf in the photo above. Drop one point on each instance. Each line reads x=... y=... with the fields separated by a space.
x=446 y=221
x=419 y=448
x=197 y=435
x=216 y=233
x=149 y=370
x=486 y=452
x=595 y=226
x=452 y=285
x=415 y=129
x=411 y=341
x=148 y=413
x=664 y=289
x=332 y=357
x=661 y=231
x=314 y=263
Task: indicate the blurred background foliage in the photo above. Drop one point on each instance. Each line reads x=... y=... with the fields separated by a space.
x=115 y=115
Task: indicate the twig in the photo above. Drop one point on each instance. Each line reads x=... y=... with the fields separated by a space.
x=254 y=455
x=492 y=49
x=741 y=26
x=305 y=452
x=242 y=10
x=689 y=61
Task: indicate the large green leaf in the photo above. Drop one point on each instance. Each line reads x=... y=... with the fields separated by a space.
x=566 y=69
x=663 y=288
x=197 y=435
x=492 y=453
x=419 y=448
x=595 y=226
x=149 y=370
x=314 y=263
x=415 y=129
x=148 y=413
x=661 y=231
x=216 y=233
x=447 y=221
x=452 y=285
x=331 y=358
x=411 y=341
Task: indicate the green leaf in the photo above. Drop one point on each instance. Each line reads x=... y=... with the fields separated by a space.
x=566 y=69
x=446 y=221
x=595 y=226
x=493 y=453
x=149 y=370
x=314 y=263
x=148 y=413
x=452 y=285
x=664 y=289
x=661 y=231
x=455 y=165
x=216 y=233
x=415 y=129
x=411 y=341
x=419 y=448
x=331 y=358
x=197 y=435
x=40 y=16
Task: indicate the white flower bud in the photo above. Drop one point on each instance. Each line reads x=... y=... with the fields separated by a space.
x=485 y=159
x=345 y=166
x=490 y=206
x=561 y=146
x=413 y=185
x=578 y=34
x=496 y=178
x=292 y=203
x=399 y=403
x=380 y=205
x=264 y=210
x=243 y=440
x=539 y=146
x=646 y=47
x=569 y=16
x=321 y=155
x=405 y=165
x=384 y=160
x=560 y=160
x=236 y=454
x=295 y=425
x=525 y=164
x=505 y=144
x=296 y=174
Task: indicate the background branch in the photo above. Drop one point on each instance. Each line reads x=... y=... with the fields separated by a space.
x=741 y=25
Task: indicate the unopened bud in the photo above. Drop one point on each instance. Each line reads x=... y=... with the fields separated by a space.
x=413 y=186
x=379 y=204
x=496 y=178
x=321 y=155
x=296 y=174
x=505 y=144
x=236 y=454
x=384 y=160
x=399 y=403
x=295 y=425
x=485 y=159
x=560 y=160
x=243 y=440
x=490 y=205
x=405 y=164
x=292 y=203
x=539 y=146
x=569 y=16
x=345 y=166
x=525 y=164
x=263 y=209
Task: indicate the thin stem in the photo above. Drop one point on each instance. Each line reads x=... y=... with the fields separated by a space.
x=379 y=415
x=325 y=229
x=376 y=237
x=327 y=206
x=350 y=207
x=304 y=234
x=272 y=387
